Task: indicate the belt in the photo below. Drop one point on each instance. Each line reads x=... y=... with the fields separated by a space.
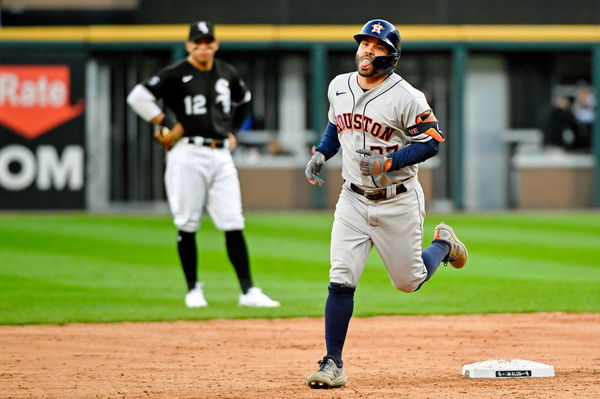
x=377 y=194
x=199 y=140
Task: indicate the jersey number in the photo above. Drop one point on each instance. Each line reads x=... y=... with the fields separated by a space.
x=195 y=105
x=388 y=149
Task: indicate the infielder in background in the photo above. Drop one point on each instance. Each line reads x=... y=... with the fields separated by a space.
x=209 y=101
x=385 y=127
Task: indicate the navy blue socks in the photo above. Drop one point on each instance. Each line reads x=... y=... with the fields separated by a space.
x=433 y=255
x=338 y=311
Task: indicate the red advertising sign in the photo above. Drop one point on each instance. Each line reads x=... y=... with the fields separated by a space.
x=35 y=99
x=42 y=132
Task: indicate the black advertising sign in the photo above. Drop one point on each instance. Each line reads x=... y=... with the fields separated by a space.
x=42 y=137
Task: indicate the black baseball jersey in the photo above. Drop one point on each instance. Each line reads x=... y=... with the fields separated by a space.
x=204 y=102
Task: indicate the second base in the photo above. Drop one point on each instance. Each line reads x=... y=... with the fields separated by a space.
x=507 y=368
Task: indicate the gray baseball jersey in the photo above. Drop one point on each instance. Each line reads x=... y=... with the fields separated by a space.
x=378 y=120
x=381 y=119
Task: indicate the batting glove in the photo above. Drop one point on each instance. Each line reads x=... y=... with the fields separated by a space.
x=313 y=168
x=372 y=163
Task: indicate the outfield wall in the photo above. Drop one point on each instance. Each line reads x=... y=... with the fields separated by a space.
x=269 y=188
x=482 y=80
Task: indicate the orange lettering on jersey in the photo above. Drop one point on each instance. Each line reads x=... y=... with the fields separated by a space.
x=375 y=129
x=347 y=121
x=366 y=123
x=387 y=133
x=357 y=121
x=339 y=122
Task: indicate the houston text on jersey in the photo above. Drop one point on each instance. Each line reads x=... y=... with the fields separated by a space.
x=347 y=121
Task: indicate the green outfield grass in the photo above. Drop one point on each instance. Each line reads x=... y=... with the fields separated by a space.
x=58 y=268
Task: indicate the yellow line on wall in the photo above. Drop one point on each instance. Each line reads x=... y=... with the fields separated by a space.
x=43 y=33
x=532 y=33
x=306 y=33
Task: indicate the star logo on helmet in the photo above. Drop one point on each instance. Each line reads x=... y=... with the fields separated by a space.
x=377 y=28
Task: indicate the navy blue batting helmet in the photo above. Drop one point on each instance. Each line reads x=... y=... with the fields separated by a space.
x=389 y=35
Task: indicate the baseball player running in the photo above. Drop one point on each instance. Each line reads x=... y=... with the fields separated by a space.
x=385 y=128
x=209 y=100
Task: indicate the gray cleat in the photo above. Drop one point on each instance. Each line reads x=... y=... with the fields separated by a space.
x=329 y=375
x=458 y=251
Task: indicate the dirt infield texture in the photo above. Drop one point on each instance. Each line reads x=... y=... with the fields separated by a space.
x=386 y=357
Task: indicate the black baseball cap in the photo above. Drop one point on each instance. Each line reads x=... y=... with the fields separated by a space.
x=201 y=30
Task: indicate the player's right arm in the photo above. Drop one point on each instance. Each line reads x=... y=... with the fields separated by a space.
x=327 y=148
x=145 y=104
x=330 y=143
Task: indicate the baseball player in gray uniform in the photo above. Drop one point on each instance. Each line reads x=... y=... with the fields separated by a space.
x=209 y=100
x=385 y=128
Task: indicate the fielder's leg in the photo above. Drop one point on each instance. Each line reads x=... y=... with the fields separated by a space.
x=224 y=205
x=188 y=255
x=185 y=187
x=238 y=256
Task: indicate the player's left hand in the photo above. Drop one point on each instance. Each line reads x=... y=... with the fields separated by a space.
x=232 y=142
x=372 y=163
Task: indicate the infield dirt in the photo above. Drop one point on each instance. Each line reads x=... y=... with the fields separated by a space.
x=385 y=357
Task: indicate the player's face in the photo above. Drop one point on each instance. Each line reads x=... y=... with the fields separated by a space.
x=203 y=50
x=369 y=48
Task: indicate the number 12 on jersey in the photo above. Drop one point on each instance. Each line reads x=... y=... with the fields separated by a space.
x=195 y=105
